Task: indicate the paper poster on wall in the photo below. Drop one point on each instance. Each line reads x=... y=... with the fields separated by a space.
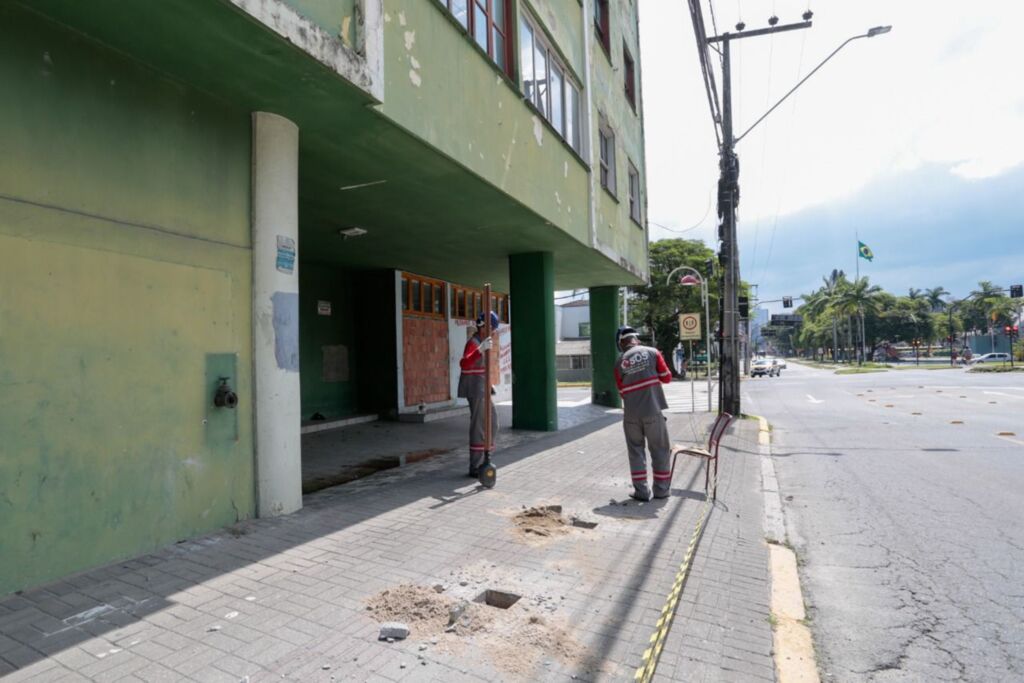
x=285 y=254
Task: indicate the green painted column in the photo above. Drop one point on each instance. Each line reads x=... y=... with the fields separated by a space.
x=604 y=321
x=534 y=403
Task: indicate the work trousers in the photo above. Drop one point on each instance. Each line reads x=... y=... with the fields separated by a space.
x=654 y=432
x=477 y=440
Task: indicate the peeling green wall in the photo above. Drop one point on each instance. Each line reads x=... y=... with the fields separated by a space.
x=320 y=393
x=442 y=88
x=124 y=261
x=614 y=227
x=337 y=17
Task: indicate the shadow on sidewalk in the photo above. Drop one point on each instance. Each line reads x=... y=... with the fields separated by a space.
x=110 y=601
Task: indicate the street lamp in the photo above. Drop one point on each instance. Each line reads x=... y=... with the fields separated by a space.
x=693 y=278
x=871 y=33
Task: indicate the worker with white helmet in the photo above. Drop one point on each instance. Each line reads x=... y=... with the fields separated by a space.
x=474 y=386
x=639 y=373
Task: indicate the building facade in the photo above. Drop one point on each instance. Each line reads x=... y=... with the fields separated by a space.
x=222 y=220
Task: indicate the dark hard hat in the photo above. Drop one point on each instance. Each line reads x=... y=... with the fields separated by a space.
x=624 y=331
x=494 y=320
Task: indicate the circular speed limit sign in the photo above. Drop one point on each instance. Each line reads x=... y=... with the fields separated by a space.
x=689 y=326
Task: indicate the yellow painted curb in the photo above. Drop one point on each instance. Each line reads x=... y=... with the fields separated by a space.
x=794 y=647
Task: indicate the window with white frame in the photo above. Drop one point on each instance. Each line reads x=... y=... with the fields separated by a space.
x=634 y=194
x=606 y=143
x=547 y=83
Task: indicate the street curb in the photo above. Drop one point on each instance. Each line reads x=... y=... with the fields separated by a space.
x=793 y=645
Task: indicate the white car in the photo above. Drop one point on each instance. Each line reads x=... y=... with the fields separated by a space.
x=780 y=363
x=763 y=367
x=991 y=358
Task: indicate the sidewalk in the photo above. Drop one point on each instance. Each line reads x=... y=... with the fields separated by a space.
x=290 y=598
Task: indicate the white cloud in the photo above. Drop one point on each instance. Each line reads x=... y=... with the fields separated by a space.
x=946 y=86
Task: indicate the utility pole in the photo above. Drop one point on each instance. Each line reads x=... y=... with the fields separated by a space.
x=728 y=201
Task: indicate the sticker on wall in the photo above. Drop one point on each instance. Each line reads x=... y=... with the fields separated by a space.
x=285 y=254
x=323 y=307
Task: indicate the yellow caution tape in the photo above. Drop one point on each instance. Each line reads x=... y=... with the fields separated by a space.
x=668 y=613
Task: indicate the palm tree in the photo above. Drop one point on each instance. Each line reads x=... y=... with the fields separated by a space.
x=857 y=298
x=914 y=293
x=824 y=300
x=934 y=296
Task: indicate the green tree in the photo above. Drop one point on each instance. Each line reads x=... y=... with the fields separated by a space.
x=657 y=305
x=855 y=299
x=934 y=296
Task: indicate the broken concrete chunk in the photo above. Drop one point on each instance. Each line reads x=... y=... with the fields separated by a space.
x=394 y=630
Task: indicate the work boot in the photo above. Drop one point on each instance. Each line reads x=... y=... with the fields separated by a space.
x=475 y=460
x=641 y=493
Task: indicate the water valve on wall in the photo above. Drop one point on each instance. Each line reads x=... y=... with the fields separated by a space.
x=225 y=397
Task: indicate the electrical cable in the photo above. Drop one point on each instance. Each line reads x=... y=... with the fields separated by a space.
x=785 y=166
x=696 y=225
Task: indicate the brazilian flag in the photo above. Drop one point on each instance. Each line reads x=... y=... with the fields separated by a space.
x=865 y=251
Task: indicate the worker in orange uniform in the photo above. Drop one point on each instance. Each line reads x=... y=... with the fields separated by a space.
x=474 y=386
x=639 y=373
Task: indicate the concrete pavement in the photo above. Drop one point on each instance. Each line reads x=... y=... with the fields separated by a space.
x=289 y=598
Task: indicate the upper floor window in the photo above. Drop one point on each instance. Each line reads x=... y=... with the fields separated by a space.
x=423 y=296
x=606 y=140
x=468 y=303
x=547 y=83
x=487 y=22
x=634 y=194
x=601 y=25
x=629 y=70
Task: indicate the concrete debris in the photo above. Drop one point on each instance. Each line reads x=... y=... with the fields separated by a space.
x=394 y=630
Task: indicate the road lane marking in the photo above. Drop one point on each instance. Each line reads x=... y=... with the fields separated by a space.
x=999 y=393
x=813 y=400
x=1006 y=438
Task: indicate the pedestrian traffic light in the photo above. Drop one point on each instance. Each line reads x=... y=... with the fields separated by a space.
x=1007 y=330
x=744 y=307
x=787 y=302
x=1016 y=291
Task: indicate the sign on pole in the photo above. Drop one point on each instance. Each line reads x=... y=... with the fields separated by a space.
x=689 y=326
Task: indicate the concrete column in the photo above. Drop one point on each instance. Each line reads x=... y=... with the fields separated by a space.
x=534 y=403
x=275 y=287
x=604 y=321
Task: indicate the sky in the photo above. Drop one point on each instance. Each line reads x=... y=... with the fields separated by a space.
x=912 y=141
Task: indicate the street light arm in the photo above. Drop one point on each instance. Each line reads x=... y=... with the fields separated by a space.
x=793 y=89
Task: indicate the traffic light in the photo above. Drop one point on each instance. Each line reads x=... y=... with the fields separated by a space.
x=744 y=307
x=1007 y=330
x=709 y=268
x=787 y=302
x=1016 y=291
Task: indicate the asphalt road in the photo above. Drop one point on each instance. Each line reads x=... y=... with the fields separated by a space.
x=909 y=525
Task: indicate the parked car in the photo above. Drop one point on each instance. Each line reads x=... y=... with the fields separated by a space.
x=780 y=363
x=990 y=358
x=763 y=367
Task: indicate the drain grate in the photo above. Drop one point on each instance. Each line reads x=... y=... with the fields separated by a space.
x=499 y=599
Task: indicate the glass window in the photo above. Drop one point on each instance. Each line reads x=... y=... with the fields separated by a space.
x=634 y=193
x=540 y=71
x=526 y=58
x=499 y=49
x=439 y=299
x=460 y=11
x=416 y=297
x=498 y=12
x=557 y=110
x=405 y=294
x=480 y=24
x=572 y=124
x=462 y=304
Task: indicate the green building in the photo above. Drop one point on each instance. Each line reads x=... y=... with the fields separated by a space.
x=297 y=201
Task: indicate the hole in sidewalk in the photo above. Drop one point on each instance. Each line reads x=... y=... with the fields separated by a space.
x=499 y=599
x=582 y=524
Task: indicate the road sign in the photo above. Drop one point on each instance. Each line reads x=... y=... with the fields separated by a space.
x=689 y=326
x=786 y=319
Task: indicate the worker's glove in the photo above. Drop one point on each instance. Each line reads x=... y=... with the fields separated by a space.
x=486 y=345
